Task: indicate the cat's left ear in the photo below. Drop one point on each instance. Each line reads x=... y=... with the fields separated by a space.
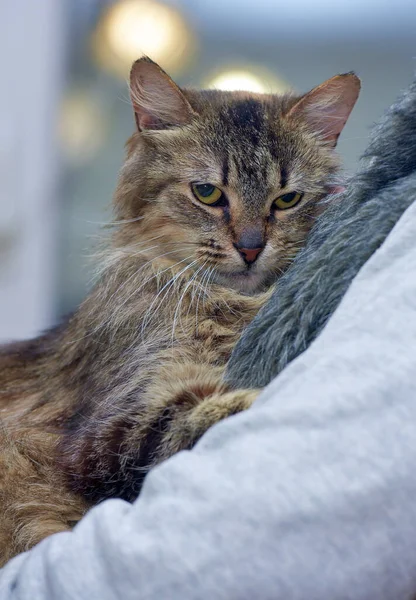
x=158 y=102
x=327 y=107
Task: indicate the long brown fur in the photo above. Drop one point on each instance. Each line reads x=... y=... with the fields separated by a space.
x=136 y=374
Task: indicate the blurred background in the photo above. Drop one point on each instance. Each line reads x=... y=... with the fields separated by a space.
x=65 y=114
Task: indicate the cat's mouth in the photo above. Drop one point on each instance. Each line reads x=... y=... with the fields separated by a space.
x=246 y=281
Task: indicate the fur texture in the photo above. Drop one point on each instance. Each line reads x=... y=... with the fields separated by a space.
x=137 y=373
x=342 y=240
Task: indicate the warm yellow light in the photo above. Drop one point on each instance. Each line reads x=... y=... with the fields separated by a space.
x=260 y=81
x=131 y=28
x=237 y=80
x=81 y=127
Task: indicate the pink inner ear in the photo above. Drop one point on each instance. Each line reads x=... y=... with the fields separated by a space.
x=145 y=120
x=327 y=107
x=328 y=117
x=337 y=189
x=156 y=99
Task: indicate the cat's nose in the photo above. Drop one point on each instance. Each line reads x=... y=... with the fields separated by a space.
x=249 y=254
x=250 y=243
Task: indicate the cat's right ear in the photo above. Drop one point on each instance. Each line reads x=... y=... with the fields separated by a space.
x=327 y=107
x=158 y=103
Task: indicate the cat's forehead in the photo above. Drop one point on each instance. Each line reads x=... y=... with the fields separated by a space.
x=250 y=140
x=239 y=118
x=246 y=137
x=244 y=116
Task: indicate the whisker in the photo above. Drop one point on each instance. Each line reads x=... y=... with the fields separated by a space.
x=202 y=291
x=103 y=324
x=177 y=311
x=147 y=281
x=170 y=283
x=208 y=283
x=109 y=223
x=176 y=243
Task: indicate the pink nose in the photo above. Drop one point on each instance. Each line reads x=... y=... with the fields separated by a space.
x=250 y=254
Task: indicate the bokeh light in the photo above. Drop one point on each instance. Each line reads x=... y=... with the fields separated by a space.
x=82 y=127
x=131 y=28
x=254 y=79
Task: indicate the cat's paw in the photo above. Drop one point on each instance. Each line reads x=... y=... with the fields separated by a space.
x=191 y=410
x=221 y=405
x=217 y=407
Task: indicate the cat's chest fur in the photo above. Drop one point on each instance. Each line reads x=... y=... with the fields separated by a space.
x=215 y=332
x=205 y=327
x=136 y=323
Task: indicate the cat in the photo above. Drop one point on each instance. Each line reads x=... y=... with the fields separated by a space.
x=342 y=240
x=216 y=196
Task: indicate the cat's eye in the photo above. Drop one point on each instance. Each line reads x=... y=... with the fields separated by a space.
x=287 y=200
x=207 y=193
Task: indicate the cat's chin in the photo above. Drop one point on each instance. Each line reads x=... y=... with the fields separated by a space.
x=246 y=282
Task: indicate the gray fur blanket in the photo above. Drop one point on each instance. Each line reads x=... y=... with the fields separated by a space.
x=342 y=240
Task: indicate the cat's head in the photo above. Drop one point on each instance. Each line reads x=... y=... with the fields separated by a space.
x=228 y=183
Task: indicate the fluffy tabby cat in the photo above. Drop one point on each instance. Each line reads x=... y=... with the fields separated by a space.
x=217 y=194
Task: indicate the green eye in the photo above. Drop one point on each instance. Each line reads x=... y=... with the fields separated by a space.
x=288 y=200
x=206 y=193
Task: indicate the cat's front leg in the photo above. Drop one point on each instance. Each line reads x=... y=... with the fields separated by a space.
x=213 y=409
x=183 y=401
x=195 y=405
